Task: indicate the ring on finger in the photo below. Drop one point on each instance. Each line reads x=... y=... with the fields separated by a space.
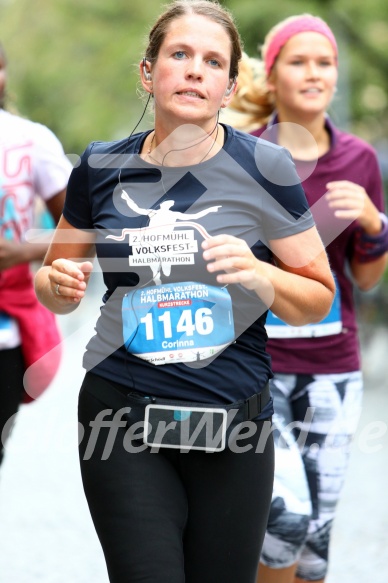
x=57 y=290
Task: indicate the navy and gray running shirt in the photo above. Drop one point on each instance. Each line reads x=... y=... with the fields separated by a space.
x=167 y=328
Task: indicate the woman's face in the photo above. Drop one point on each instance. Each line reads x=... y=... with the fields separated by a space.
x=3 y=78
x=305 y=75
x=191 y=73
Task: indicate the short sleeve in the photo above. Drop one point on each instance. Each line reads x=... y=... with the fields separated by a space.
x=285 y=210
x=51 y=166
x=77 y=209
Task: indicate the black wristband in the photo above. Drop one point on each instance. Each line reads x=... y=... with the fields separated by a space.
x=370 y=247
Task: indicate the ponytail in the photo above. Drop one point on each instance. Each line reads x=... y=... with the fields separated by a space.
x=252 y=104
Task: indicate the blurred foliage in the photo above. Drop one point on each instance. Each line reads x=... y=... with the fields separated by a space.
x=73 y=65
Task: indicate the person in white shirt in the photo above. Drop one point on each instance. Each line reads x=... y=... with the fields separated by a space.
x=32 y=164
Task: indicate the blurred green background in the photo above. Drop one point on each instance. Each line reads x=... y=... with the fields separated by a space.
x=73 y=64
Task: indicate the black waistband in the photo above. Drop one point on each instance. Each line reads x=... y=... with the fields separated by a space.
x=113 y=397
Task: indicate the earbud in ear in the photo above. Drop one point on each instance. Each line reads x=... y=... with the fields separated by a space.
x=231 y=88
x=147 y=74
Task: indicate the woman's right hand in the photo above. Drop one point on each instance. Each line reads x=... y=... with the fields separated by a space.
x=61 y=282
x=69 y=279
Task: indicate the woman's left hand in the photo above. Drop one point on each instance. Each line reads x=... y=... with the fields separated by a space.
x=351 y=202
x=299 y=286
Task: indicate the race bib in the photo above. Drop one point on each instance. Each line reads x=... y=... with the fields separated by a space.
x=180 y=322
x=330 y=325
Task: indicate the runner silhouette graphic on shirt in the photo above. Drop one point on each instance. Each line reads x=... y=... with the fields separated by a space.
x=162 y=220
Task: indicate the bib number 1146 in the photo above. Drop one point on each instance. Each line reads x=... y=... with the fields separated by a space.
x=203 y=323
x=178 y=322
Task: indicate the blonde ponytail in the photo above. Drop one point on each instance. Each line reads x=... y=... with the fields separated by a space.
x=252 y=104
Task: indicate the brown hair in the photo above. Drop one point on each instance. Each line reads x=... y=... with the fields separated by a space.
x=208 y=8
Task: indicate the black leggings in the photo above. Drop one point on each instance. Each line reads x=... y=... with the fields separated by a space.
x=172 y=517
x=11 y=390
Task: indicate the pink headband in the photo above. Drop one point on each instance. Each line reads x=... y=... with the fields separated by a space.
x=302 y=24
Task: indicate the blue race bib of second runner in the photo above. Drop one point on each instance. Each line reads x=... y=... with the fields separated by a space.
x=329 y=326
x=180 y=322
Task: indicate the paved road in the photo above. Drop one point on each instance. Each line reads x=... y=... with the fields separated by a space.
x=46 y=534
